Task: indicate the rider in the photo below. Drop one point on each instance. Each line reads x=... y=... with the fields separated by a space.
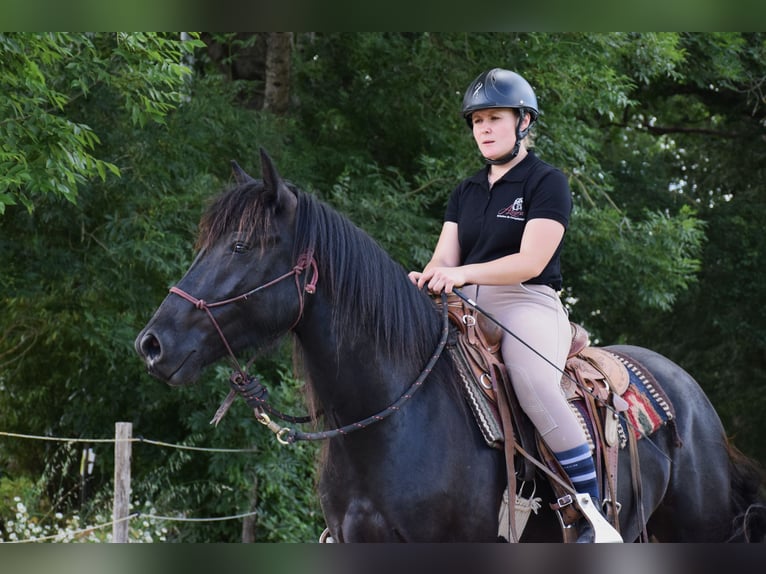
x=502 y=236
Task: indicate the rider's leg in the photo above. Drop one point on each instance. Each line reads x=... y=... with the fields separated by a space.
x=534 y=313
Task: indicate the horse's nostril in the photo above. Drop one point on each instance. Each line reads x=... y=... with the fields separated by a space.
x=150 y=347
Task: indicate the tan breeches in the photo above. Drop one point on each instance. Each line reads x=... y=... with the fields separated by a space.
x=535 y=314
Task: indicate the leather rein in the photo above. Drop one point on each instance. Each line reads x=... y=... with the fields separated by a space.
x=256 y=395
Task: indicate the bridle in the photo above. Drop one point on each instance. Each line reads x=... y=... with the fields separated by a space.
x=304 y=261
x=241 y=382
x=256 y=395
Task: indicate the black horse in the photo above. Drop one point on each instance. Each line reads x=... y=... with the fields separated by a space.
x=273 y=260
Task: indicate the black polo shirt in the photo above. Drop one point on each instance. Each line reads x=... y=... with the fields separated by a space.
x=491 y=222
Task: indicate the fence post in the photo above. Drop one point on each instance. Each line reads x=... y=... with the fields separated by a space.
x=123 y=432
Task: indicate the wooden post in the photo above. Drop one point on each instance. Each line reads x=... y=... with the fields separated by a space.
x=123 y=432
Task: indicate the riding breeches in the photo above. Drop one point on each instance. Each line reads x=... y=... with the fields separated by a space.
x=534 y=350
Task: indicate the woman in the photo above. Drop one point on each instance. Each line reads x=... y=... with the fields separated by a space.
x=502 y=235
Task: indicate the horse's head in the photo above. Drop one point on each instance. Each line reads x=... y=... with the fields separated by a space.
x=244 y=288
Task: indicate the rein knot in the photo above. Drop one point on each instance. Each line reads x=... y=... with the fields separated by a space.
x=251 y=389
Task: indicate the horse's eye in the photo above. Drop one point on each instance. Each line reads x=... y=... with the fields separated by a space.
x=240 y=247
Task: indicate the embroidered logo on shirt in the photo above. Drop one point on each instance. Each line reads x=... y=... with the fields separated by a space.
x=513 y=211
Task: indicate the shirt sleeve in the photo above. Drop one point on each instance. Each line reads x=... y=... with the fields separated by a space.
x=453 y=206
x=551 y=199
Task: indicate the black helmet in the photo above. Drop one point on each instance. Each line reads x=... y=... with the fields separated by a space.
x=499 y=88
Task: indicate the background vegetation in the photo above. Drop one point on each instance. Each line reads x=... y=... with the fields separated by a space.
x=111 y=144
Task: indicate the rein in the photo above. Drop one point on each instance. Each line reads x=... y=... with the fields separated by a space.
x=289 y=436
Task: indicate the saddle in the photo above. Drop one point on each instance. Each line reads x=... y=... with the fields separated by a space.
x=594 y=378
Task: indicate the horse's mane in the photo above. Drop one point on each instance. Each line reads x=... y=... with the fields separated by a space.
x=370 y=292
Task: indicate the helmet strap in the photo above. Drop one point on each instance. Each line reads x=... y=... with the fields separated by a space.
x=520 y=135
x=507 y=157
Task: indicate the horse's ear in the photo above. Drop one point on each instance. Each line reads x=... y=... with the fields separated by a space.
x=239 y=174
x=273 y=184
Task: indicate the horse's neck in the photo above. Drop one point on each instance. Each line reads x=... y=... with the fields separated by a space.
x=352 y=378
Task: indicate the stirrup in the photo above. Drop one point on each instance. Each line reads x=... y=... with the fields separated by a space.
x=602 y=530
x=326 y=537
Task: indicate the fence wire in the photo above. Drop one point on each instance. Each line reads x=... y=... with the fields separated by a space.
x=138 y=439
x=69 y=534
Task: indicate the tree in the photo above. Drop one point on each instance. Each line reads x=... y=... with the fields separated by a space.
x=46 y=148
x=79 y=277
x=701 y=141
x=278 y=59
x=357 y=85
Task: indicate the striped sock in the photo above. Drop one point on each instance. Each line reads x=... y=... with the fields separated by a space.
x=578 y=463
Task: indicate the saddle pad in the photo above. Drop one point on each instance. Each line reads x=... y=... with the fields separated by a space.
x=648 y=406
x=483 y=408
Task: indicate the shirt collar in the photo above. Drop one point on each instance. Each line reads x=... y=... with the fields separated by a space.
x=516 y=174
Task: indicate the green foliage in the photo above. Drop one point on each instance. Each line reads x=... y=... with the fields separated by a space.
x=717 y=329
x=644 y=267
x=22 y=488
x=43 y=78
x=385 y=105
x=79 y=281
x=22 y=520
x=406 y=237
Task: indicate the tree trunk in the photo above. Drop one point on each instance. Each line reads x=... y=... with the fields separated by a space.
x=278 y=56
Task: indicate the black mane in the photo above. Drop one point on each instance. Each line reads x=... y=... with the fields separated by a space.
x=371 y=293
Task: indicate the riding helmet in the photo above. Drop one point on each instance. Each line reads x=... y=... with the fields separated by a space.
x=499 y=88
